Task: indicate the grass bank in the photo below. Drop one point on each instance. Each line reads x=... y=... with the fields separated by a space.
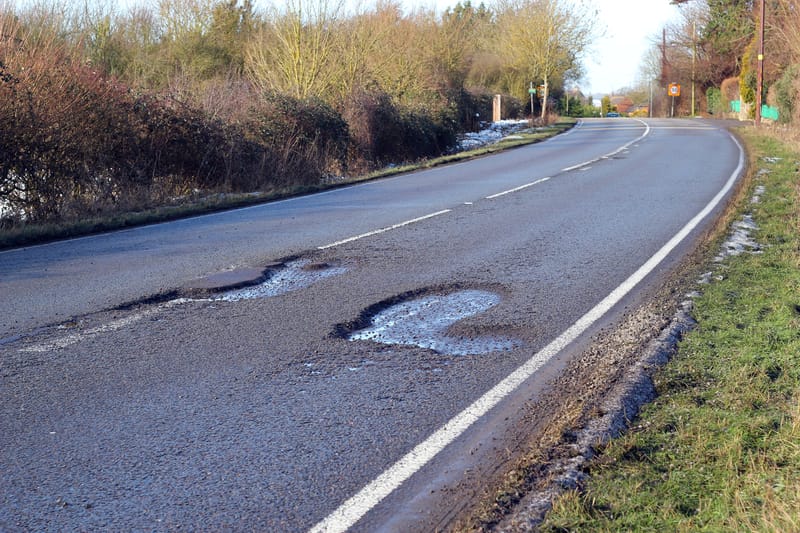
x=719 y=449
x=39 y=233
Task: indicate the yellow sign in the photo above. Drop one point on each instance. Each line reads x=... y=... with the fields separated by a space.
x=674 y=89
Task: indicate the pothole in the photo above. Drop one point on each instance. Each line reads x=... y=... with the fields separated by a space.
x=424 y=322
x=293 y=276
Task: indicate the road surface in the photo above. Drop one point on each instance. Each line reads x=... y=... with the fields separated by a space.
x=398 y=324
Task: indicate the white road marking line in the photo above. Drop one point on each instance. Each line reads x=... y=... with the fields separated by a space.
x=383 y=230
x=707 y=128
x=114 y=325
x=572 y=130
x=615 y=152
x=360 y=504
x=515 y=189
x=75 y=338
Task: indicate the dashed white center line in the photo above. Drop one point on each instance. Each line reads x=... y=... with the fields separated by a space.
x=611 y=154
x=384 y=230
x=515 y=189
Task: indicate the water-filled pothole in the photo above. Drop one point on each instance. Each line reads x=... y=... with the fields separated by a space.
x=424 y=322
x=292 y=276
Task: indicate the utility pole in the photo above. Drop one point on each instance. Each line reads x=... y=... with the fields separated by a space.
x=760 y=80
x=694 y=58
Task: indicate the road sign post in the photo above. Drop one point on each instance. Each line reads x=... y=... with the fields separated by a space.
x=673 y=90
x=532 y=92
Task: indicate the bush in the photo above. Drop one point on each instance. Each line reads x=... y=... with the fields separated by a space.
x=66 y=136
x=784 y=93
x=307 y=138
x=714 y=101
x=476 y=108
x=76 y=144
x=383 y=132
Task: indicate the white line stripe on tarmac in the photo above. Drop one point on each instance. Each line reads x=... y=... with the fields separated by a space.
x=383 y=230
x=114 y=325
x=515 y=189
x=610 y=154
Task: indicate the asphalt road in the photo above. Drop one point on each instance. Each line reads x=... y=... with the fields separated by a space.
x=128 y=403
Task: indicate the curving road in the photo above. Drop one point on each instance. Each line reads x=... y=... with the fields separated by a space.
x=129 y=402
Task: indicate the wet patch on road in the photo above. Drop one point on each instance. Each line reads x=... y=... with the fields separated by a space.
x=424 y=318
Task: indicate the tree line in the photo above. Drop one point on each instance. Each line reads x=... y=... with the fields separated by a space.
x=715 y=45
x=107 y=110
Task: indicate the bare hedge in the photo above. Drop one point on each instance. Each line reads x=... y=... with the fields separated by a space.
x=76 y=143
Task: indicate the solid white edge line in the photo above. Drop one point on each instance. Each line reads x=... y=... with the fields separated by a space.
x=517 y=189
x=615 y=152
x=383 y=230
x=352 y=510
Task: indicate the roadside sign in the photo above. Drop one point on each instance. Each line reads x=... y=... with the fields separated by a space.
x=531 y=91
x=674 y=89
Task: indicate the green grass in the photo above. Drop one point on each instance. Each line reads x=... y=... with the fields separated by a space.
x=719 y=450
x=38 y=233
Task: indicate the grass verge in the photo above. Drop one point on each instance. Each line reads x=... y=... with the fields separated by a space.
x=719 y=449
x=39 y=233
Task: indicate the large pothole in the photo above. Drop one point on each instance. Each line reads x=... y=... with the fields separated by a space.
x=424 y=321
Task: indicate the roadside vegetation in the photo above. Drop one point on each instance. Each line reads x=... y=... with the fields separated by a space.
x=719 y=449
x=171 y=103
x=711 y=51
x=32 y=233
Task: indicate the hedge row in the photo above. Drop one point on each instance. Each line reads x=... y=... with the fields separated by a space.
x=75 y=143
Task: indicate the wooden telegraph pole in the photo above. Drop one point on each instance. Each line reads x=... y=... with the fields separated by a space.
x=760 y=71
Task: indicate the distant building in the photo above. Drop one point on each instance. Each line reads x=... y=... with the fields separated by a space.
x=623 y=104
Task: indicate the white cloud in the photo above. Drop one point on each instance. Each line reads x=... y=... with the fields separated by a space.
x=614 y=61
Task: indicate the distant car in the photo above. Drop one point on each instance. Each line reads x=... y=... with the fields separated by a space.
x=612 y=114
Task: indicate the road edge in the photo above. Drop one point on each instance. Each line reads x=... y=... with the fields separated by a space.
x=611 y=415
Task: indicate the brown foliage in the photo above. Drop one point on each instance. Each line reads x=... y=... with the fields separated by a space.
x=110 y=112
x=75 y=143
x=730 y=90
x=384 y=132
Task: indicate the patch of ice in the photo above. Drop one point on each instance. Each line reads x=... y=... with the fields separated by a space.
x=740 y=240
